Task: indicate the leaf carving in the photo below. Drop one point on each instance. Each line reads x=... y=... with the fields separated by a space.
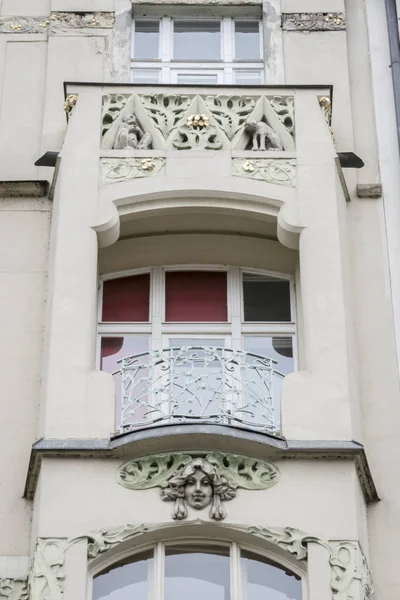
x=230 y=112
x=165 y=110
x=244 y=472
x=151 y=471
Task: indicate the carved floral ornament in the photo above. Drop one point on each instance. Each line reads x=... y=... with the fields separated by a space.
x=197 y=122
x=350 y=575
x=57 y=22
x=198 y=481
x=313 y=21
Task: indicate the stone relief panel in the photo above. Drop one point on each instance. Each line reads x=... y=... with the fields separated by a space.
x=350 y=574
x=57 y=22
x=46 y=578
x=115 y=170
x=198 y=481
x=272 y=170
x=313 y=21
x=197 y=122
x=14 y=589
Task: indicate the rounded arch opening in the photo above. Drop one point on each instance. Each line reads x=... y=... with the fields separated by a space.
x=221 y=566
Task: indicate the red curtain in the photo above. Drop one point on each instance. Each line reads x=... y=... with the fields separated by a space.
x=127 y=299
x=196 y=296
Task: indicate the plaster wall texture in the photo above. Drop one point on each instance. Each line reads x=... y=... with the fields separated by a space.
x=324 y=500
x=24 y=226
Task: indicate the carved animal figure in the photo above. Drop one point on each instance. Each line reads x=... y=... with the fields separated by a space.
x=131 y=135
x=263 y=136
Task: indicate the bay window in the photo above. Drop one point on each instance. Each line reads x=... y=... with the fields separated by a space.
x=197 y=51
x=197 y=344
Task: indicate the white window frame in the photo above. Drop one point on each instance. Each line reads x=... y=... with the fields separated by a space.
x=157 y=576
x=234 y=328
x=225 y=67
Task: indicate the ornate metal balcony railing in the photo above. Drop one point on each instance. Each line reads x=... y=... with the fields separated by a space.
x=198 y=384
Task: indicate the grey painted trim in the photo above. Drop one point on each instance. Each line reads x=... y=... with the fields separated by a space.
x=23 y=189
x=394 y=45
x=200 y=437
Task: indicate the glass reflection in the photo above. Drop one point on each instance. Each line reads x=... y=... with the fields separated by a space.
x=125 y=581
x=263 y=580
x=197 y=573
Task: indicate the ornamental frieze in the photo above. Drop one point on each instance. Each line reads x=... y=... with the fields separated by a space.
x=57 y=22
x=279 y=171
x=313 y=21
x=116 y=170
x=198 y=481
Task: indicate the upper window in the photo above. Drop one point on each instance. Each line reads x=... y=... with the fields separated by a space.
x=198 y=571
x=197 y=51
x=221 y=340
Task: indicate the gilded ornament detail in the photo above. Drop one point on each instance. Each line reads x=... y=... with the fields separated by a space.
x=279 y=171
x=70 y=102
x=57 y=21
x=116 y=170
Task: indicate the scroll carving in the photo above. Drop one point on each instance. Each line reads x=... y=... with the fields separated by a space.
x=115 y=170
x=350 y=577
x=14 y=589
x=272 y=170
x=313 y=21
x=165 y=110
x=190 y=138
x=46 y=578
x=230 y=112
x=199 y=481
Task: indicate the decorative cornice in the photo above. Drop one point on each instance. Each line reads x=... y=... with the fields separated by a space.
x=313 y=21
x=14 y=589
x=57 y=22
x=270 y=447
x=23 y=189
x=271 y=170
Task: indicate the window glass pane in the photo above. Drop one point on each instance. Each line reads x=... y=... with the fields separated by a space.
x=195 y=296
x=266 y=298
x=126 y=581
x=247 y=40
x=278 y=348
x=197 y=573
x=198 y=78
x=263 y=580
x=249 y=77
x=126 y=299
x=145 y=76
x=197 y=39
x=146 y=40
x=133 y=390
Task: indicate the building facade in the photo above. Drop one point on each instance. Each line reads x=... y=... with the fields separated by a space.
x=199 y=375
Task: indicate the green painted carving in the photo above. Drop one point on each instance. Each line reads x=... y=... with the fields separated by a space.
x=198 y=481
x=290 y=539
x=112 y=106
x=191 y=138
x=230 y=112
x=103 y=540
x=245 y=472
x=165 y=110
x=284 y=108
x=350 y=575
x=14 y=589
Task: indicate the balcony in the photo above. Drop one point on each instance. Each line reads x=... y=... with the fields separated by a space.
x=192 y=384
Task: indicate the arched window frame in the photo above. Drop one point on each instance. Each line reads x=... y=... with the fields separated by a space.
x=156 y=587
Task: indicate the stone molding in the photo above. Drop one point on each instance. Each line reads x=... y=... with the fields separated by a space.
x=57 y=22
x=350 y=575
x=115 y=170
x=23 y=189
x=313 y=21
x=272 y=447
x=13 y=589
x=198 y=479
x=272 y=170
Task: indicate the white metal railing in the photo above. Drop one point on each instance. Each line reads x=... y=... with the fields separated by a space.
x=198 y=384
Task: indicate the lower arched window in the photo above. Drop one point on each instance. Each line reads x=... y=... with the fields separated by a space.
x=186 y=571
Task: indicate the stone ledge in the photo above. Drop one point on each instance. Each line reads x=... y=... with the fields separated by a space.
x=369 y=190
x=178 y=438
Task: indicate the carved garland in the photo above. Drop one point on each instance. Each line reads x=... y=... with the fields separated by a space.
x=57 y=21
x=313 y=21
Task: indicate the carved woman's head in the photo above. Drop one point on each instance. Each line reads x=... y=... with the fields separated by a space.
x=198 y=485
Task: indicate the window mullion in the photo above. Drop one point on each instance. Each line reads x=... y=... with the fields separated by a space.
x=166 y=39
x=236 y=576
x=227 y=39
x=157 y=587
x=157 y=304
x=234 y=299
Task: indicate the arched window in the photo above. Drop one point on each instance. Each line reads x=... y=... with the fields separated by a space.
x=209 y=344
x=201 y=571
